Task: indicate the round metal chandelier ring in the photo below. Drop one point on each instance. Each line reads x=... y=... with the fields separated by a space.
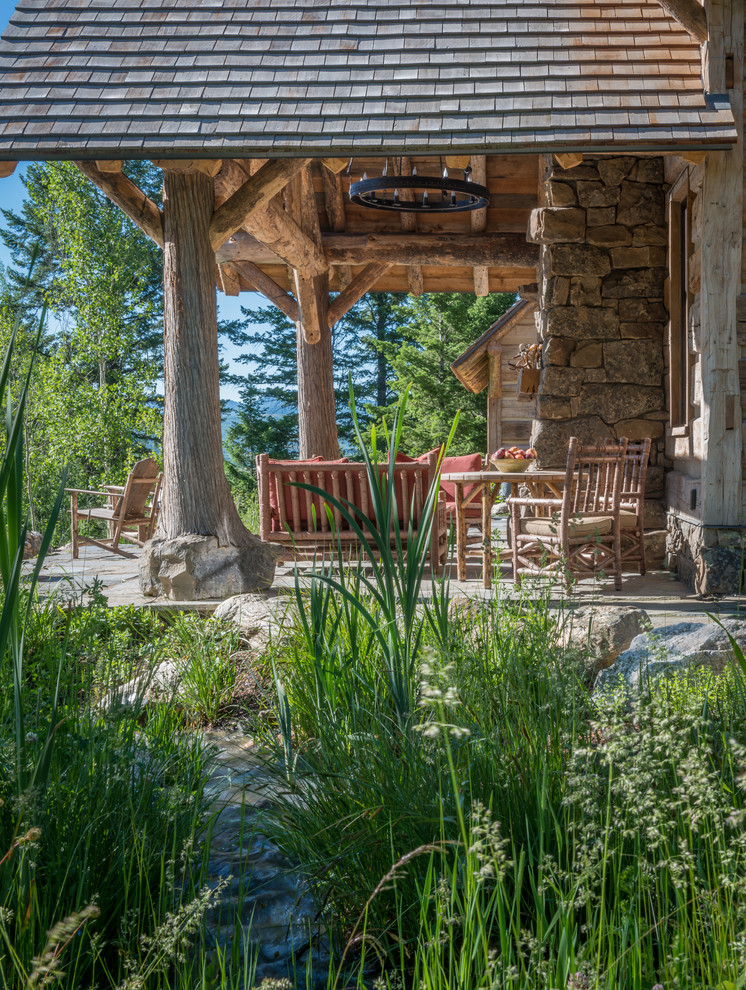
x=456 y=195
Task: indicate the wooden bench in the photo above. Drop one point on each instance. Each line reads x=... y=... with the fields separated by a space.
x=297 y=518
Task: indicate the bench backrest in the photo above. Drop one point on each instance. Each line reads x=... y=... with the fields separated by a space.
x=284 y=507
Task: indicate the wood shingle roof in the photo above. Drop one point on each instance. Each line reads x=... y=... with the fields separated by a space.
x=160 y=78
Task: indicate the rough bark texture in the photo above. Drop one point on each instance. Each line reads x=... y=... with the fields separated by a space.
x=317 y=414
x=196 y=497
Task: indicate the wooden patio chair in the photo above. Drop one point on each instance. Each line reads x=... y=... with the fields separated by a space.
x=579 y=534
x=128 y=513
x=632 y=503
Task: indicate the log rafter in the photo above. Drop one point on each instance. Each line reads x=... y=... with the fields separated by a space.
x=129 y=198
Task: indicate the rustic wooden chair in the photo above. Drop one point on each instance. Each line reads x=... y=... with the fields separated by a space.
x=579 y=534
x=128 y=513
x=632 y=503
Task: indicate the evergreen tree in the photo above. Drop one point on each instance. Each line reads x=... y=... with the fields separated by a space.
x=439 y=328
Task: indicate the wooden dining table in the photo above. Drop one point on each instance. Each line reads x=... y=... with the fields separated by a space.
x=483 y=486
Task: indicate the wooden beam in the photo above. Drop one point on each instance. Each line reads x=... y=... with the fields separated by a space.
x=479 y=224
x=129 y=198
x=272 y=226
x=415 y=279
x=7 y=168
x=269 y=288
x=208 y=166
x=229 y=279
x=455 y=250
x=254 y=194
x=569 y=160
x=357 y=288
x=335 y=164
x=461 y=161
x=282 y=235
x=334 y=202
x=111 y=166
x=311 y=291
x=691 y=16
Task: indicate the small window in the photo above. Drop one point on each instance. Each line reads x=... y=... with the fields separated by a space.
x=679 y=363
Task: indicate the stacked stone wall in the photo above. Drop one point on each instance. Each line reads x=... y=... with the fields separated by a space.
x=602 y=316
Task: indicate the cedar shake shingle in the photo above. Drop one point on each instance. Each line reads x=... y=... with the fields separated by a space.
x=367 y=77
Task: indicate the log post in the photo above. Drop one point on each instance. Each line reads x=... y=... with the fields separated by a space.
x=196 y=497
x=317 y=412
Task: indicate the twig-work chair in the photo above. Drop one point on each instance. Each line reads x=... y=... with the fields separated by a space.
x=577 y=536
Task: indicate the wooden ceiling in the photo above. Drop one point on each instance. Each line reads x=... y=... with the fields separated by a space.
x=480 y=251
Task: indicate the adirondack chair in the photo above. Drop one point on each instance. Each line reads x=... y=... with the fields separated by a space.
x=127 y=512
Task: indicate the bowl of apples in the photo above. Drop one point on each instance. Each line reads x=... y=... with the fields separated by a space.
x=513 y=459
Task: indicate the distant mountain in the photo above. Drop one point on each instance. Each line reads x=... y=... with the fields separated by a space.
x=272 y=407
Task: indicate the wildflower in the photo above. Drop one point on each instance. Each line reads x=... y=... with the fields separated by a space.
x=31 y=737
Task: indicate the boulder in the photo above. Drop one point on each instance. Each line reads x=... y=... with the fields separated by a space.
x=602 y=632
x=159 y=684
x=683 y=646
x=32 y=546
x=257 y=618
x=720 y=571
x=193 y=567
x=583 y=323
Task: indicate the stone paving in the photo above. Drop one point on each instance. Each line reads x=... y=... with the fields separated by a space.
x=657 y=591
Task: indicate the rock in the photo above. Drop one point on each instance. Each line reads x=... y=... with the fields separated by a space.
x=655 y=548
x=32 y=546
x=552 y=224
x=562 y=194
x=191 y=568
x=719 y=571
x=609 y=235
x=636 y=283
x=646 y=256
x=616 y=402
x=560 y=382
x=583 y=323
x=654 y=514
x=551 y=408
x=642 y=331
x=642 y=311
x=577 y=259
x=638 y=361
x=649 y=233
x=596 y=194
x=648 y=170
x=602 y=632
x=551 y=438
x=257 y=618
x=585 y=291
x=613 y=170
x=588 y=356
x=556 y=291
x=557 y=351
x=683 y=646
x=638 y=429
x=600 y=216
x=158 y=684
x=640 y=203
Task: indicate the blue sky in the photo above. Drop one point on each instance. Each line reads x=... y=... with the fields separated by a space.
x=11 y=197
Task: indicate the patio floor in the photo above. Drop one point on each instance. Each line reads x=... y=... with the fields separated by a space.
x=657 y=591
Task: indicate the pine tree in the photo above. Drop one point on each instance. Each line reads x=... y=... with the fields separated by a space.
x=439 y=328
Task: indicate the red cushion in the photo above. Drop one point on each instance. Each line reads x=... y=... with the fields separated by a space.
x=455 y=465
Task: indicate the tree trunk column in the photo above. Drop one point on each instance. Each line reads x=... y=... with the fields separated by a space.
x=317 y=414
x=196 y=497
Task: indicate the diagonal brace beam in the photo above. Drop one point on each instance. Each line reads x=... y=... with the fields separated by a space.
x=691 y=16
x=255 y=193
x=269 y=288
x=357 y=288
x=129 y=198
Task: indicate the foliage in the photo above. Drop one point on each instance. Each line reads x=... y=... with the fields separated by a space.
x=437 y=328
